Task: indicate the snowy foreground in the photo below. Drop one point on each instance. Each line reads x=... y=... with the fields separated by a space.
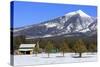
x=55 y=58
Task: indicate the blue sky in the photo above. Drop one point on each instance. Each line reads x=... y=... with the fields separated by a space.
x=27 y=13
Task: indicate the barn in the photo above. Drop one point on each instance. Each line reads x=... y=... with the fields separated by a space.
x=26 y=48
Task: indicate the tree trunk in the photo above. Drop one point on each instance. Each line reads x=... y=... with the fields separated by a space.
x=56 y=50
x=63 y=54
x=36 y=54
x=48 y=55
x=75 y=53
x=80 y=54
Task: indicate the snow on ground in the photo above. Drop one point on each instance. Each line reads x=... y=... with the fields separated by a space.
x=55 y=58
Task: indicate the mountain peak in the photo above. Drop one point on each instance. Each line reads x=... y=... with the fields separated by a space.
x=80 y=12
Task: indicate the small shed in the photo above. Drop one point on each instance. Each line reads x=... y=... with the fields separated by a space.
x=26 y=48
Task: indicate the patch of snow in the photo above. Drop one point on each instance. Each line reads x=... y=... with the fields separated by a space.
x=22 y=28
x=49 y=25
x=16 y=30
x=79 y=27
x=60 y=27
x=32 y=37
x=48 y=35
x=55 y=58
x=93 y=27
x=85 y=30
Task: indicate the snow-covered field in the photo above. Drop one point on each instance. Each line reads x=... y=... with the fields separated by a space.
x=55 y=58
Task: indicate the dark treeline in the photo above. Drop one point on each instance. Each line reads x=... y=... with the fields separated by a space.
x=63 y=44
x=90 y=43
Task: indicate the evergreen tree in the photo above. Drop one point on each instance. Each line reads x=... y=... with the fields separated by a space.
x=48 y=48
x=43 y=43
x=92 y=47
x=79 y=47
x=18 y=40
x=64 y=48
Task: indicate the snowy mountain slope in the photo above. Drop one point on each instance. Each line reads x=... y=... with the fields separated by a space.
x=73 y=22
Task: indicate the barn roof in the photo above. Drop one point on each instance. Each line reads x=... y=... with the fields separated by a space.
x=27 y=45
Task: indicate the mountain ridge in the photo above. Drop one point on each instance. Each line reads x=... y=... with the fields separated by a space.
x=72 y=22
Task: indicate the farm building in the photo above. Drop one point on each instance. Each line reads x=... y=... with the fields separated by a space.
x=26 y=48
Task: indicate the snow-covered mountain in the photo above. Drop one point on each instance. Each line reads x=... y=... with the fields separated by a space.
x=76 y=22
